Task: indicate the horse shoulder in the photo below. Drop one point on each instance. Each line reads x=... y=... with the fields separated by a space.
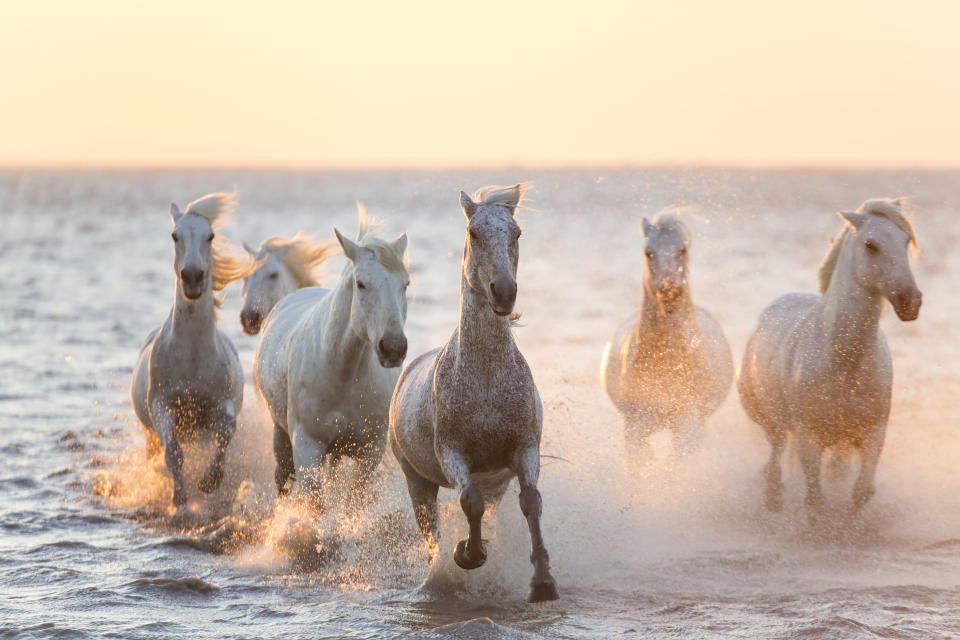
x=616 y=356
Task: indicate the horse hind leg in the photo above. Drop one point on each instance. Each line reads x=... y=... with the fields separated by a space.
x=423 y=498
x=542 y=585
x=225 y=428
x=773 y=474
x=810 y=456
x=283 y=454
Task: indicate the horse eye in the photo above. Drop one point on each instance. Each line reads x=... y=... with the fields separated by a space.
x=175 y=236
x=682 y=252
x=650 y=254
x=210 y=238
x=872 y=248
x=473 y=235
x=360 y=285
x=406 y=285
x=274 y=276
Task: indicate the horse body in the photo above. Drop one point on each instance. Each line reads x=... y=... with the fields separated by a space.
x=468 y=416
x=188 y=381
x=328 y=361
x=818 y=366
x=669 y=365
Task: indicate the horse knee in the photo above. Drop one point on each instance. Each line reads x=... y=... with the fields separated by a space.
x=530 y=502
x=471 y=501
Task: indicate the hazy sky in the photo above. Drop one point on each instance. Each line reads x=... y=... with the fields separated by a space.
x=456 y=83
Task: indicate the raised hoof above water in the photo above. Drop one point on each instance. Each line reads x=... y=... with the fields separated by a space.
x=464 y=560
x=211 y=480
x=543 y=592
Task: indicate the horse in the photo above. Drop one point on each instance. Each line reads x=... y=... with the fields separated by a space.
x=328 y=360
x=280 y=267
x=668 y=365
x=468 y=415
x=188 y=379
x=818 y=366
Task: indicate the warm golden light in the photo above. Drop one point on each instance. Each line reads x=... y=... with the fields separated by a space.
x=439 y=84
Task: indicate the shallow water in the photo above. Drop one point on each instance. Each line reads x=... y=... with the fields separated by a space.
x=677 y=549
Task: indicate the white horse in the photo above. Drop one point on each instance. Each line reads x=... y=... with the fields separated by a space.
x=328 y=361
x=819 y=366
x=669 y=365
x=188 y=379
x=280 y=267
x=468 y=415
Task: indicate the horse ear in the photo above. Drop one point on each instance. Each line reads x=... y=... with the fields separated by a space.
x=251 y=252
x=469 y=206
x=400 y=244
x=853 y=218
x=175 y=213
x=349 y=246
x=646 y=227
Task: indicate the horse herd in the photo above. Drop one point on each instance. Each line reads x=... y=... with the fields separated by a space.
x=468 y=415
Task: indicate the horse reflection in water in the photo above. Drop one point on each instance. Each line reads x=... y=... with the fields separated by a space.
x=188 y=379
x=818 y=366
x=669 y=366
x=468 y=415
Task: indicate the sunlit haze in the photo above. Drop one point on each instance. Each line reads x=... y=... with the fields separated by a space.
x=456 y=84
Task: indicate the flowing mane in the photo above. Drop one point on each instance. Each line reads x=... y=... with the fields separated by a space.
x=508 y=196
x=302 y=255
x=368 y=238
x=889 y=208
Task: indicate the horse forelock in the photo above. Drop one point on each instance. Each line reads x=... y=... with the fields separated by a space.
x=302 y=255
x=383 y=250
x=671 y=220
x=511 y=196
x=215 y=208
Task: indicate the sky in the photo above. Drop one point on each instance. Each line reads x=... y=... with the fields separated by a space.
x=457 y=84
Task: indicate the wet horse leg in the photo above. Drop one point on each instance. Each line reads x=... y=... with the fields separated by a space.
x=283 y=454
x=165 y=425
x=469 y=553
x=870 y=455
x=308 y=457
x=774 y=476
x=423 y=497
x=810 y=454
x=225 y=428
x=527 y=468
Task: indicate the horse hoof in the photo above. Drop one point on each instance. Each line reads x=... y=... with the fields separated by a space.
x=211 y=480
x=543 y=591
x=464 y=560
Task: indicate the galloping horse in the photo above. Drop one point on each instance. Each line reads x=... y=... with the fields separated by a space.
x=280 y=267
x=818 y=366
x=188 y=379
x=328 y=361
x=668 y=366
x=468 y=415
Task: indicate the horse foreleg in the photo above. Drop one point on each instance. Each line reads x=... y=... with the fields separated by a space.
x=308 y=462
x=774 y=476
x=687 y=434
x=469 y=553
x=283 y=454
x=810 y=454
x=165 y=425
x=870 y=455
x=223 y=433
x=527 y=468
x=423 y=497
x=637 y=428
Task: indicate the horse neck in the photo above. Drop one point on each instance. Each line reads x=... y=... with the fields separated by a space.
x=851 y=314
x=350 y=349
x=482 y=335
x=194 y=322
x=678 y=323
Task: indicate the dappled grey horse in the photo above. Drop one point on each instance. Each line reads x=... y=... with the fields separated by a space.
x=468 y=415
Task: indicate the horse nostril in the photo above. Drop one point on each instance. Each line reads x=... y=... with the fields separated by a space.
x=493 y=289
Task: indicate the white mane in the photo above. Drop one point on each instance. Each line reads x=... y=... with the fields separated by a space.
x=302 y=255
x=368 y=238
x=507 y=196
x=215 y=208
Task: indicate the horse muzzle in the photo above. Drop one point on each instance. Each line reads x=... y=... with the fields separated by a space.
x=391 y=350
x=907 y=304
x=503 y=296
x=251 y=320
x=191 y=281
